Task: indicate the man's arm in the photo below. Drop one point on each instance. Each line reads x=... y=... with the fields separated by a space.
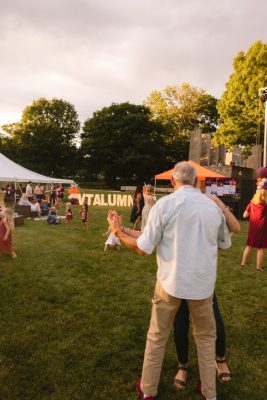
x=130 y=241
x=126 y=235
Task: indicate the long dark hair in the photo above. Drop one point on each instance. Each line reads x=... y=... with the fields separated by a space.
x=139 y=189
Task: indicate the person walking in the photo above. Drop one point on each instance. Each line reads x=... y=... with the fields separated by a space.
x=257 y=231
x=187 y=228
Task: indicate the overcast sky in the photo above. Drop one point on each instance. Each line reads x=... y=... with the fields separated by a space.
x=95 y=52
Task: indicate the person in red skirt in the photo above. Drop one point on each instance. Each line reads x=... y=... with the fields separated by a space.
x=6 y=228
x=257 y=233
x=68 y=214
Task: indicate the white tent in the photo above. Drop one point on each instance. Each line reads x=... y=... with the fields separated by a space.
x=12 y=172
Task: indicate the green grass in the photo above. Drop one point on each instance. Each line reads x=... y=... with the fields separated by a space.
x=74 y=319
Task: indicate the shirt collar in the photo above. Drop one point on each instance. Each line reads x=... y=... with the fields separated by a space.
x=184 y=187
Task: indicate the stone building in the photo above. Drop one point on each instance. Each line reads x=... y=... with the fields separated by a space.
x=203 y=152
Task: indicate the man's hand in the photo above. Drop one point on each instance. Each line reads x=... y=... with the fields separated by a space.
x=114 y=220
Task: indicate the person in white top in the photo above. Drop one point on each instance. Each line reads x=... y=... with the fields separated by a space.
x=29 y=191
x=187 y=228
x=149 y=201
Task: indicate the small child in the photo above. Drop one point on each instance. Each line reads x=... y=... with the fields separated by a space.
x=68 y=214
x=112 y=240
x=6 y=229
x=84 y=216
x=52 y=217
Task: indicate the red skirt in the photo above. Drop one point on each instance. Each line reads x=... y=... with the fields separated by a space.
x=5 y=247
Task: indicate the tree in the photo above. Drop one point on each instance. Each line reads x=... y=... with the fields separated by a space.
x=122 y=141
x=182 y=109
x=241 y=113
x=44 y=139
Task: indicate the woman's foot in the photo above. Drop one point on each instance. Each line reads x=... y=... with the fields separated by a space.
x=180 y=380
x=14 y=255
x=224 y=374
x=260 y=269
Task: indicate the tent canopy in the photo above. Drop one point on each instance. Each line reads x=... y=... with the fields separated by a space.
x=12 y=172
x=202 y=173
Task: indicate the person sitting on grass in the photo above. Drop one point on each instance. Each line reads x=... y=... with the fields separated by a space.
x=52 y=217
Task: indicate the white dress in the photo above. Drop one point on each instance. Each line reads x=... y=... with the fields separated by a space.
x=149 y=200
x=112 y=240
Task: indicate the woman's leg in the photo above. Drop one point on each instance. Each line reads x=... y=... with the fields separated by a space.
x=259 y=259
x=180 y=333
x=246 y=255
x=223 y=370
x=181 y=341
x=137 y=222
x=220 y=341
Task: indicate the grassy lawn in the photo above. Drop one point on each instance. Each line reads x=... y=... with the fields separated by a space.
x=74 y=319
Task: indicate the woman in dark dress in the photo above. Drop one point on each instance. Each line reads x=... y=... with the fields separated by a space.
x=257 y=232
x=138 y=204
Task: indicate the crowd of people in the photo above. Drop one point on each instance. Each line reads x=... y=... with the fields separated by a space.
x=185 y=279
x=44 y=203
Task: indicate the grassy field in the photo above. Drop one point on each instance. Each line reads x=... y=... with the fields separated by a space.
x=74 y=319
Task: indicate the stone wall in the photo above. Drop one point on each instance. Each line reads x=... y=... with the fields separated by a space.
x=195 y=146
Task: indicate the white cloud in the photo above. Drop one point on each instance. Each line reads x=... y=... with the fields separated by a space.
x=92 y=53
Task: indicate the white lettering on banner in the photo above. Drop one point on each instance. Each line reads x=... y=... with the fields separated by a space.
x=112 y=200
x=103 y=200
x=97 y=201
x=121 y=200
x=81 y=199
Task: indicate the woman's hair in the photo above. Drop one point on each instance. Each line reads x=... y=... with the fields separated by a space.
x=148 y=189
x=68 y=205
x=260 y=197
x=86 y=206
x=184 y=172
x=8 y=215
x=139 y=189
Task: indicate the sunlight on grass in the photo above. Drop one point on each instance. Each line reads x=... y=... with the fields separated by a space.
x=74 y=319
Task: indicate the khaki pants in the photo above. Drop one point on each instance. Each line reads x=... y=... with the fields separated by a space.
x=163 y=312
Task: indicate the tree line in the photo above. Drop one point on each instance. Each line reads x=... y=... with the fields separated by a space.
x=133 y=142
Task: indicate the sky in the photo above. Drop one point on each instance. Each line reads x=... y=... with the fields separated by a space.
x=93 y=53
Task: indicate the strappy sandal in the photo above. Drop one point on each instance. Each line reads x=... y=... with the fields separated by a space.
x=179 y=384
x=259 y=269
x=222 y=375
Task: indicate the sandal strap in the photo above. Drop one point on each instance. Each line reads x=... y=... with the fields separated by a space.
x=225 y=375
x=221 y=361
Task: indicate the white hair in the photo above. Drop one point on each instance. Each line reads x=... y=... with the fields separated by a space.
x=184 y=172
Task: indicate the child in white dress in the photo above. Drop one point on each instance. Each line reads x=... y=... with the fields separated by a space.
x=112 y=240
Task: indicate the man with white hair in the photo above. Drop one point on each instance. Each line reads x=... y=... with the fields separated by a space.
x=186 y=227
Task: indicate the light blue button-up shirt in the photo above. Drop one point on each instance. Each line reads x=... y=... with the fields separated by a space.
x=187 y=228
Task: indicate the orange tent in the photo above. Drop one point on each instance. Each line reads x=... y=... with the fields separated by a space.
x=202 y=173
